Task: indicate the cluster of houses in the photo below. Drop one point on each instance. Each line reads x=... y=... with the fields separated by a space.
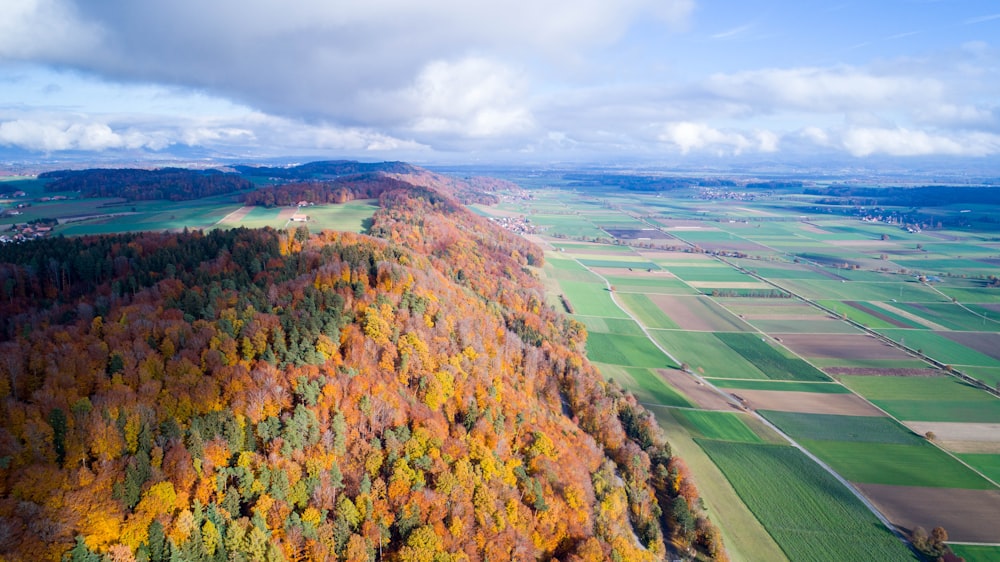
x=519 y=225
x=715 y=194
x=22 y=232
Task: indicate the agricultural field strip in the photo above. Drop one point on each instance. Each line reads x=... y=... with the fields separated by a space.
x=864 y=500
x=967 y=309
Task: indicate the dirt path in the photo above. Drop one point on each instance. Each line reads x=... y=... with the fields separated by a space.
x=909 y=315
x=235 y=217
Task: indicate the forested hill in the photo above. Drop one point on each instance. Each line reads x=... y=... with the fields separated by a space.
x=262 y=394
x=325 y=170
x=372 y=184
x=174 y=184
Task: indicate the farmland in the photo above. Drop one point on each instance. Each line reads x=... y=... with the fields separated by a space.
x=835 y=329
x=809 y=514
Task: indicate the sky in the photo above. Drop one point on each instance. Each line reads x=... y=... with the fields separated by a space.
x=454 y=81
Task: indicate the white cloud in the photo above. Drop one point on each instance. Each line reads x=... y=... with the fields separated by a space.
x=908 y=142
x=695 y=137
x=46 y=29
x=473 y=97
x=49 y=136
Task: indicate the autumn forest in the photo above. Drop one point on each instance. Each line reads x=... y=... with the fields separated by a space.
x=252 y=394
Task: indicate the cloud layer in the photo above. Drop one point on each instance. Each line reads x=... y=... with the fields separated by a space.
x=543 y=77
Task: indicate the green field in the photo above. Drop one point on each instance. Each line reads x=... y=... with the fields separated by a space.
x=940 y=348
x=591 y=299
x=897 y=465
x=620 y=326
x=706 y=355
x=719 y=272
x=353 y=216
x=862 y=291
x=829 y=427
x=927 y=398
x=977 y=553
x=638 y=263
x=648 y=313
x=949 y=315
x=806 y=510
x=783 y=386
x=820 y=326
x=723 y=426
x=647 y=386
x=987 y=463
x=628 y=351
x=868 y=319
x=650 y=285
x=773 y=363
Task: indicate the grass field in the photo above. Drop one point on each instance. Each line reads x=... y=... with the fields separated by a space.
x=352 y=216
x=591 y=299
x=828 y=427
x=940 y=348
x=705 y=354
x=719 y=272
x=867 y=317
x=650 y=286
x=773 y=363
x=745 y=538
x=648 y=313
x=898 y=465
x=988 y=464
x=628 y=351
x=620 y=326
x=638 y=263
x=949 y=315
x=785 y=386
x=723 y=426
x=862 y=291
x=648 y=387
x=819 y=326
x=977 y=553
x=808 y=513
x=989 y=375
x=927 y=398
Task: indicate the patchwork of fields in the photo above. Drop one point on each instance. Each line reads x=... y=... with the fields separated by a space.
x=808 y=338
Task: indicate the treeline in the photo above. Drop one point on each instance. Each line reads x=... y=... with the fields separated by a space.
x=342 y=190
x=261 y=394
x=173 y=184
x=632 y=182
x=325 y=170
x=925 y=196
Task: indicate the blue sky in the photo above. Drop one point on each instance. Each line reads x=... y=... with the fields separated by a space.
x=521 y=80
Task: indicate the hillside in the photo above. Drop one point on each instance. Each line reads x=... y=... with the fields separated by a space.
x=249 y=394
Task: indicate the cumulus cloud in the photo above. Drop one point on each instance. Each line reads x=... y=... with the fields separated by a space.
x=253 y=133
x=472 y=97
x=907 y=142
x=319 y=61
x=450 y=75
x=51 y=136
x=691 y=137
